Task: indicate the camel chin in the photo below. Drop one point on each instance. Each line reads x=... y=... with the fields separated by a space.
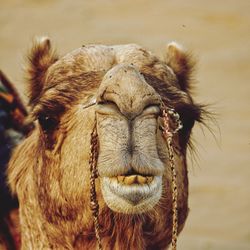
x=132 y=194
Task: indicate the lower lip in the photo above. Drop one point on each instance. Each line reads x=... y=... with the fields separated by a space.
x=126 y=190
x=131 y=199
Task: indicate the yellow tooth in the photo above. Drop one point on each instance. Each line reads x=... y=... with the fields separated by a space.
x=128 y=180
x=120 y=178
x=141 y=179
x=113 y=178
x=149 y=179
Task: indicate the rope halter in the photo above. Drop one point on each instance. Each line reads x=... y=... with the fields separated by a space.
x=171 y=125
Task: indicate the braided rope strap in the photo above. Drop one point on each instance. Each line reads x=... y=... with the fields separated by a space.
x=169 y=115
x=93 y=175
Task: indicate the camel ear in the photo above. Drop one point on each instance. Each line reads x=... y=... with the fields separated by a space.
x=40 y=58
x=181 y=63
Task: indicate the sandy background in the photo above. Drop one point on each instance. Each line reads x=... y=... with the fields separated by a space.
x=218 y=32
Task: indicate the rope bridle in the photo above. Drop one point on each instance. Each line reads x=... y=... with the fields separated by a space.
x=93 y=175
x=171 y=125
x=168 y=134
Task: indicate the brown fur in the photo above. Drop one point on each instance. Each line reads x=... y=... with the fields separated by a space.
x=49 y=170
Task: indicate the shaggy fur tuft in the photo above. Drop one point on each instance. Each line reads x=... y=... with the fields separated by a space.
x=182 y=63
x=40 y=58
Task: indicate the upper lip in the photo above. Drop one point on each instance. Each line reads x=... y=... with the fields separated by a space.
x=134 y=167
x=133 y=172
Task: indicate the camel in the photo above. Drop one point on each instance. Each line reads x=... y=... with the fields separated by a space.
x=96 y=172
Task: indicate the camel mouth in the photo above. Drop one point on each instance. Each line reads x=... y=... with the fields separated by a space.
x=134 y=179
x=131 y=194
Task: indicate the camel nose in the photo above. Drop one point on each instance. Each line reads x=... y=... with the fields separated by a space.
x=127 y=88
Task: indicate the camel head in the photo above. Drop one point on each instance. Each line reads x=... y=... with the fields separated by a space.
x=118 y=93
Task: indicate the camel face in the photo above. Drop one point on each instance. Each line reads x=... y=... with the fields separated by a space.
x=119 y=91
x=127 y=124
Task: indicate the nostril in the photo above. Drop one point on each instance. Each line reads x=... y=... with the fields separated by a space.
x=107 y=107
x=151 y=109
x=106 y=102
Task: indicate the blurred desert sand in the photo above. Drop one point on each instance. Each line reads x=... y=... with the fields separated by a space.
x=218 y=32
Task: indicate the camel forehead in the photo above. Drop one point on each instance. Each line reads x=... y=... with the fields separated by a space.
x=101 y=58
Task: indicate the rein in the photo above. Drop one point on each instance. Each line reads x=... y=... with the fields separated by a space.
x=171 y=125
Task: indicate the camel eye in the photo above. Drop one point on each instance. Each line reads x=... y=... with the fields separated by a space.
x=47 y=123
